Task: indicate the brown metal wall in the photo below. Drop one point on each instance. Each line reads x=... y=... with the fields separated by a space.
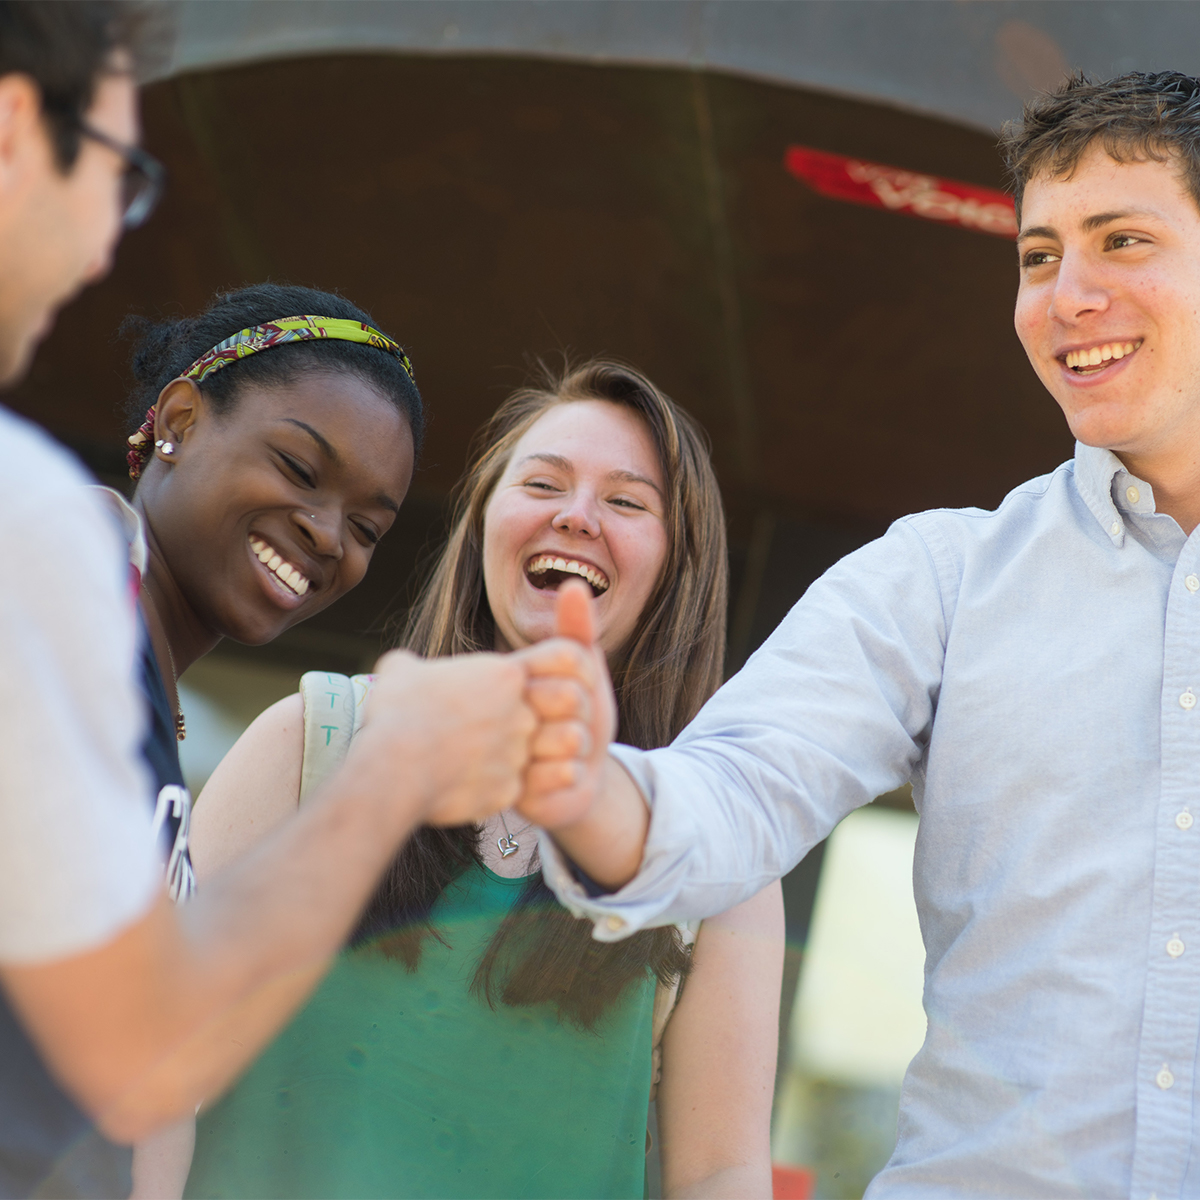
x=851 y=365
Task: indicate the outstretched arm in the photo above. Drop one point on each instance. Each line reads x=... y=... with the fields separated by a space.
x=833 y=710
x=168 y=1011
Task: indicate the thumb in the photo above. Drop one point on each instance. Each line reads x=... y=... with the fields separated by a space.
x=574 y=616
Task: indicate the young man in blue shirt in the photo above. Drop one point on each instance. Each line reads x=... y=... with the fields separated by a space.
x=1035 y=672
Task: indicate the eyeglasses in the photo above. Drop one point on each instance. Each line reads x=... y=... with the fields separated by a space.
x=142 y=182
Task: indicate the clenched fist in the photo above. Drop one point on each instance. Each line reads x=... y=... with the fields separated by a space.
x=571 y=692
x=459 y=728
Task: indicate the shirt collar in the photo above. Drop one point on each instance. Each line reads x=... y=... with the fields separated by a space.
x=1095 y=470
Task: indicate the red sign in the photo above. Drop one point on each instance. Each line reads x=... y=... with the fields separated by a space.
x=925 y=196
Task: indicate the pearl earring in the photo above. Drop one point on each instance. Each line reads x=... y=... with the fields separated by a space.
x=167 y=448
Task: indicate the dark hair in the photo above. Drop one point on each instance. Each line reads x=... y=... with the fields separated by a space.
x=164 y=350
x=66 y=48
x=1135 y=116
x=670 y=665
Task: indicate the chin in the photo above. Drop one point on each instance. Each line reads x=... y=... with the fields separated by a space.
x=252 y=631
x=1103 y=427
x=528 y=633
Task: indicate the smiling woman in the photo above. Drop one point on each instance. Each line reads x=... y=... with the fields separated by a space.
x=274 y=454
x=282 y=450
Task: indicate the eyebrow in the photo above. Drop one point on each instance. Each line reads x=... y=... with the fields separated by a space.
x=631 y=477
x=384 y=501
x=328 y=450
x=565 y=464
x=1096 y=220
x=1088 y=224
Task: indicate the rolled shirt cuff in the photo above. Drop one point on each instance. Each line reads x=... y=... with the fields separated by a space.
x=647 y=899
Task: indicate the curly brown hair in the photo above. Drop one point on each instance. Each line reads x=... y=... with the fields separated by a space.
x=1136 y=117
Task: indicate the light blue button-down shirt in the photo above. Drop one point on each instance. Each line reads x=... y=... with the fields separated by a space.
x=1035 y=672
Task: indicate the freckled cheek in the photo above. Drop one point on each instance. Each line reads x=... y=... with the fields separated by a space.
x=1030 y=319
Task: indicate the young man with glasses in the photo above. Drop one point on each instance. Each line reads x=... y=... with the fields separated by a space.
x=115 y=1005
x=1035 y=671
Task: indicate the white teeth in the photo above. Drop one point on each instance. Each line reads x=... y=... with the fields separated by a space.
x=282 y=570
x=549 y=562
x=1097 y=355
x=293 y=578
x=289 y=575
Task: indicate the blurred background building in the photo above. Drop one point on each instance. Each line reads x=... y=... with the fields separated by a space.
x=503 y=181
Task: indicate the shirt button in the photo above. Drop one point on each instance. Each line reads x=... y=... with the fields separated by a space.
x=615 y=923
x=1188 y=699
x=1115 y=528
x=1133 y=494
x=1192 y=582
x=1164 y=1078
x=1184 y=819
x=1175 y=947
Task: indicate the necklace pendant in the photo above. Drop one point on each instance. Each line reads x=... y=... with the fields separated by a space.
x=507 y=845
x=180 y=727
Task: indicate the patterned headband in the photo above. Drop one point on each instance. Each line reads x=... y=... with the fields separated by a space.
x=252 y=341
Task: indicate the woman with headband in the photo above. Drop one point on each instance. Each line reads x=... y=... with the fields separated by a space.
x=475 y=1040
x=278 y=443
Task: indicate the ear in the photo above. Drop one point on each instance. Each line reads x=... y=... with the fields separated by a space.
x=177 y=410
x=23 y=135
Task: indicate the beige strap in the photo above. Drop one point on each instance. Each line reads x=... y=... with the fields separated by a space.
x=333 y=708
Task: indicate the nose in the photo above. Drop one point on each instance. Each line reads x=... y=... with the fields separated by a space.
x=579 y=514
x=1079 y=289
x=320 y=531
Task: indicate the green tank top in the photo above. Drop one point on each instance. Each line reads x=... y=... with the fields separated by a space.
x=399 y=1084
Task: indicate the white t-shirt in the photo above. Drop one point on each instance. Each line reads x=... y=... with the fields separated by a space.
x=77 y=859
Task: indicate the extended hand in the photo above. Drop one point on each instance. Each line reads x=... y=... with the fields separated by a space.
x=459 y=728
x=571 y=692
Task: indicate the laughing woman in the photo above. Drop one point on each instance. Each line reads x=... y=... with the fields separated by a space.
x=278 y=443
x=474 y=1040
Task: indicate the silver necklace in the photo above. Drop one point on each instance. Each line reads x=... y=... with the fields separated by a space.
x=507 y=845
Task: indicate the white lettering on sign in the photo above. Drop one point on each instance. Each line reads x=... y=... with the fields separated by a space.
x=922 y=194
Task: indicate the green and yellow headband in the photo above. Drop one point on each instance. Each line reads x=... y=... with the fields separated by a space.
x=291 y=329
x=252 y=341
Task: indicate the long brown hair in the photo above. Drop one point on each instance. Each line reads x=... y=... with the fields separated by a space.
x=669 y=666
